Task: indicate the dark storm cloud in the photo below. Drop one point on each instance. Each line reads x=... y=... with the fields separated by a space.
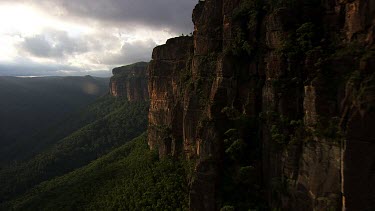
x=53 y=44
x=172 y=15
x=117 y=32
x=58 y=45
x=131 y=53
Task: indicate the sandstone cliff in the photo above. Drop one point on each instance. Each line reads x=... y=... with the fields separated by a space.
x=130 y=82
x=271 y=99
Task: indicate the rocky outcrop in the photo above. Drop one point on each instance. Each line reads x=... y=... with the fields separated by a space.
x=169 y=73
x=276 y=98
x=130 y=82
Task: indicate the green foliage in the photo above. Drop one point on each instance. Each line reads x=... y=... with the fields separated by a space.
x=78 y=149
x=279 y=186
x=361 y=88
x=227 y=208
x=31 y=108
x=284 y=3
x=279 y=128
x=240 y=46
x=299 y=43
x=209 y=60
x=300 y=132
x=328 y=127
x=247 y=15
x=278 y=135
x=231 y=113
x=352 y=49
x=306 y=36
x=232 y=133
x=293 y=4
x=97 y=110
x=129 y=178
x=368 y=54
x=202 y=87
x=186 y=77
x=285 y=131
x=240 y=184
x=246 y=174
x=363 y=99
x=236 y=150
x=247 y=10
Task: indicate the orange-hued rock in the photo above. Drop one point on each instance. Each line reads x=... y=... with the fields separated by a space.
x=170 y=62
x=302 y=74
x=130 y=82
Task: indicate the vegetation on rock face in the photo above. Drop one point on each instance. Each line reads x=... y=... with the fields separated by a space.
x=129 y=178
x=246 y=16
x=295 y=4
x=253 y=156
x=301 y=41
x=240 y=185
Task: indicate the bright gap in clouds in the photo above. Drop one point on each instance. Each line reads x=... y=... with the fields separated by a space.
x=15 y=21
x=19 y=18
x=37 y=41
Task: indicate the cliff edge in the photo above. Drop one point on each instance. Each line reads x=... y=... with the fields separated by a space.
x=130 y=82
x=270 y=101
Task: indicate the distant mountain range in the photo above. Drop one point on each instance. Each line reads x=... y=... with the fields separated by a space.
x=53 y=126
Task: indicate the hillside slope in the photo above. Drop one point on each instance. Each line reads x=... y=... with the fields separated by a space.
x=40 y=141
x=129 y=178
x=31 y=106
x=125 y=122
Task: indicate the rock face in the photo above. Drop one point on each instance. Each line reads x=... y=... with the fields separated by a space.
x=169 y=71
x=280 y=93
x=130 y=82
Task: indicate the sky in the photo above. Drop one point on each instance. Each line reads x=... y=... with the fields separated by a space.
x=85 y=37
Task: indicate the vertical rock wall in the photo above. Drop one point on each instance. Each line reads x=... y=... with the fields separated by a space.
x=169 y=74
x=293 y=79
x=130 y=82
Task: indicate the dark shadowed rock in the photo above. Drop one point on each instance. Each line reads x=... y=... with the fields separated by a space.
x=130 y=82
x=301 y=73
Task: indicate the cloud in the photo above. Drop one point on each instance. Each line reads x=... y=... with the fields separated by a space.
x=131 y=52
x=53 y=44
x=26 y=67
x=54 y=52
x=59 y=37
x=172 y=15
x=99 y=48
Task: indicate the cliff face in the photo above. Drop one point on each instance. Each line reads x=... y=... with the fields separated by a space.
x=276 y=98
x=169 y=71
x=130 y=82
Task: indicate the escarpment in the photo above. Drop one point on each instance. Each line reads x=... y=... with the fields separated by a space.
x=169 y=73
x=130 y=82
x=272 y=102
